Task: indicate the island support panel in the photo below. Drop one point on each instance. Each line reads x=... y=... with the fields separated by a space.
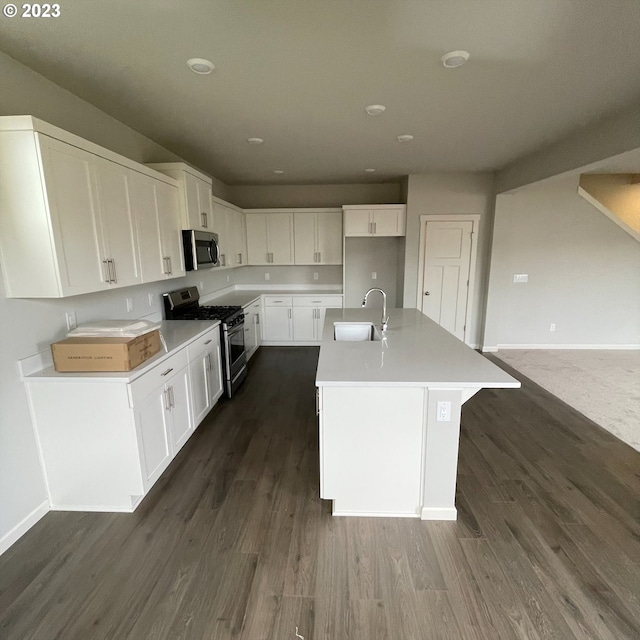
x=383 y=453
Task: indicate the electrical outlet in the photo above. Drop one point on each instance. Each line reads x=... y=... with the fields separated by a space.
x=315 y=275
x=72 y=323
x=201 y=286
x=227 y=279
x=443 y=412
x=267 y=276
x=129 y=305
x=374 y=275
x=150 y=298
x=521 y=277
x=552 y=326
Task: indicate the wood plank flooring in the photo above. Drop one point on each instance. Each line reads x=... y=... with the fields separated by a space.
x=233 y=541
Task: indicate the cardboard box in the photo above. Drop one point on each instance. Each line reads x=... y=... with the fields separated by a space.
x=104 y=354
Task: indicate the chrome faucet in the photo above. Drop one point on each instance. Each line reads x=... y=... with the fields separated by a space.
x=385 y=317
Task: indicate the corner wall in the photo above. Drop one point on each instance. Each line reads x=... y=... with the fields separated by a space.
x=584 y=273
x=446 y=194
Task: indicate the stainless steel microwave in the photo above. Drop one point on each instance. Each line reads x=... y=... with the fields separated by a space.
x=201 y=250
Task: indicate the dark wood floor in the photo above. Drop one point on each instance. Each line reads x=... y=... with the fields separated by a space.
x=233 y=541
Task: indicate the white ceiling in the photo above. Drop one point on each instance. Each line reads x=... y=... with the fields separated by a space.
x=299 y=73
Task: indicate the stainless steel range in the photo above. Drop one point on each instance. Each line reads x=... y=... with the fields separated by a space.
x=184 y=304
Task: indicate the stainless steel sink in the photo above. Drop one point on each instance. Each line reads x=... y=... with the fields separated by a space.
x=355 y=332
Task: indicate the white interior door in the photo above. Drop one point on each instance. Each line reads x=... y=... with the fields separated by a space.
x=447 y=258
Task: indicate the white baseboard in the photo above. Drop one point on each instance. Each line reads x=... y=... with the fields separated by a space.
x=93 y=508
x=278 y=343
x=373 y=514
x=489 y=349
x=439 y=513
x=564 y=346
x=23 y=526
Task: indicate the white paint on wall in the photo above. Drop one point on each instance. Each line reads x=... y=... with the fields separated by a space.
x=584 y=272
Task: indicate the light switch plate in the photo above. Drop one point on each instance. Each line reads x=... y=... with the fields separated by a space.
x=521 y=277
x=129 y=305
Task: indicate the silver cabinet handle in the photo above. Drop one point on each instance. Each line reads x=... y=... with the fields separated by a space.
x=223 y=260
x=209 y=362
x=170 y=265
x=208 y=342
x=239 y=258
x=257 y=319
x=167 y=401
x=289 y=313
x=167 y=372
x=107 y=271
x=112 y=270
x=317 y=401
x=319 y=256
x=171 y=398
x=203 y=215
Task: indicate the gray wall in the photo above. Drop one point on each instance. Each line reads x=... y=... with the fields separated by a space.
x=364 y=256
x=450 y=193
x=327 y=275
x=584 y=272
x=314 y=195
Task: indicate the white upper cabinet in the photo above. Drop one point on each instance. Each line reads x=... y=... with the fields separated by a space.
x=195 y=194
x=228 y=223
x=318 y=237
x=269 y=237
x=374 y=220
x=157 y=213
x=71 y=220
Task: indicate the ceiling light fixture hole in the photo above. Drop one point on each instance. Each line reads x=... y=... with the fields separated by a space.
x=375 y=109
x=454 y=59
x=200 y=66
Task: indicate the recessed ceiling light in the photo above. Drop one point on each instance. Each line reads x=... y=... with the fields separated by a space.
x=278 y=171
x=405 y=138
x=200 y=66
x=375 y=109
x=454 y=59
x=370 y=170
x=255 y=140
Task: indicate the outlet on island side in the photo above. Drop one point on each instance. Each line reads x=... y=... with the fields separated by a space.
x=552 y=326
x=443 y=411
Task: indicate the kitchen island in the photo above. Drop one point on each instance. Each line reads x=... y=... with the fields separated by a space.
x=389 y=414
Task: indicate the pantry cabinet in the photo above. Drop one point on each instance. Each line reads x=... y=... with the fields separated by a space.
x=71 y=216
x=318 y=236
x=269 y=237
x=374 y=220
x=195 y=194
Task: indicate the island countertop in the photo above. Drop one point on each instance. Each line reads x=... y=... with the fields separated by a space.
x=415 y=351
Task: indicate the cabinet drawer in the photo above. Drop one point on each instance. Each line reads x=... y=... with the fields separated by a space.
x=155 y=378
x=202 y=343
x=318 y=301
x=277 y=301
x=254 y=305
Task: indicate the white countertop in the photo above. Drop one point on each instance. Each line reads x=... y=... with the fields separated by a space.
x=176 y=333
x=415 y=352
x=243 y=297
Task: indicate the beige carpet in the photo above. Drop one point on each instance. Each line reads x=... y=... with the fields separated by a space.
x=603 y=385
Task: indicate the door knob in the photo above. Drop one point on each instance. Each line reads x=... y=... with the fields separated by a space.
x=426 y=293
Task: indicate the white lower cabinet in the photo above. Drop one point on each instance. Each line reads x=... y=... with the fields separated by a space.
x=297 y=318
x=105 y=440
x=252 y=327
x=205 y=371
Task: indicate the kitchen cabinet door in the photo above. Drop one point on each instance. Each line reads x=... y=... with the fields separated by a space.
x=277 y=324
x=257 y=251
x=305 y=323
x=117 y=222
x=205 y=373
x=197 y=194
x=388 y=222
x=220 y=226
x=305 y=237
x=155 y=206
x=152 y=423
x=72 y=199
x=204 y=201
x=357 y=222
x=238 y=258
x=280 y=237
x=181 y=424
x=249 y=333
x=329 y=237
x=168 y=212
